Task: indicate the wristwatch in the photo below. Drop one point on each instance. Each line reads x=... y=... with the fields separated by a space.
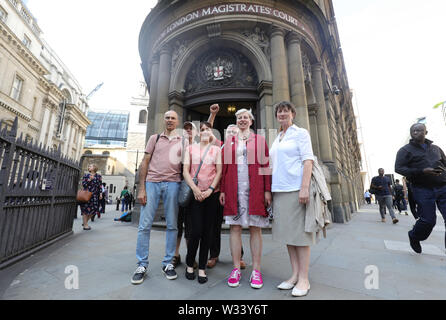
x=213 y=189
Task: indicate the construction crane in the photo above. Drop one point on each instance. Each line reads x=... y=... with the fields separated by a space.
x=94 y=91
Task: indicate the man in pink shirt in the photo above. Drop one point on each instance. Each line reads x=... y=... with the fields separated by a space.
x=161 y=171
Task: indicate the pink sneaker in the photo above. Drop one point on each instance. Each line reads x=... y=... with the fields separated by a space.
x=234 y=278
x=256 y=279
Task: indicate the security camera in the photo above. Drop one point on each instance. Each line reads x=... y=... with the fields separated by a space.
x=183 y=91
x=336 y=90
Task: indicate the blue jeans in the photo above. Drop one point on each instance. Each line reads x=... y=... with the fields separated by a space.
x=124 y=204
x=385 y=201
x=401 y=204
x=169 y=192
x=428 y=199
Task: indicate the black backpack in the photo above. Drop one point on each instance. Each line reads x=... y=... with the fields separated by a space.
x=127 y=197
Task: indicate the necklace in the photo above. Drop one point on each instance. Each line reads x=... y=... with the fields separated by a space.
x=244 y=137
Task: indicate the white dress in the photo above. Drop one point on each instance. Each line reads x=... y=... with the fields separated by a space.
x=243 y=218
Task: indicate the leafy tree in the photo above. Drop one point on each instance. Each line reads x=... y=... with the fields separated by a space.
x=442 y=105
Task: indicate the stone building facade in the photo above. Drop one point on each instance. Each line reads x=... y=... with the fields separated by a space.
x=118 y=159
x=254 y=54
x=36 y=86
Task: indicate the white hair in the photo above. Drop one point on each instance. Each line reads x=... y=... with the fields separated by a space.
x=243 y=111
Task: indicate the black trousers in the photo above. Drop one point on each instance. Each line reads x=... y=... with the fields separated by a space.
x=215 y=245
x=183 y=222
x=201 y=221
x=102 y=202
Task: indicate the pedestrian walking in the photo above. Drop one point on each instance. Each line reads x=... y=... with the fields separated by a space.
x=130 y=200
x=383 y=193
x=400 y=201
x=204 y=158
x=104 y=191
x=118 y=202
x=368 y=197
x=410 y=199
x=424 y=166
x=245 y=194
x=125 y=199
x=292 y=162
x=92 y=181
x=162 y=179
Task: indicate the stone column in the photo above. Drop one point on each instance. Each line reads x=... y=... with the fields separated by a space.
x=67 y=137
x=80 y=141
x=71 y=142
x=162 y=98
x=267 y=120
x=312 y=115
x=322 y=120
x=325 y=145
x=297 y=81
x=44 y=125
x=281 y=89
x=53 y=116
x=176 y=104
x=151 y=109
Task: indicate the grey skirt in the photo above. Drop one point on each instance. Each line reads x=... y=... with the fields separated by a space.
x=288 y=226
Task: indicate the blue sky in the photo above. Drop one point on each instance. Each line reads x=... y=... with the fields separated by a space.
x=394 y=54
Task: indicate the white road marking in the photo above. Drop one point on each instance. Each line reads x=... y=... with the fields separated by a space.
x=405 y=247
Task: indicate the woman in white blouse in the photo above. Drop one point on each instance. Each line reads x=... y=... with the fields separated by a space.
x=292 y=163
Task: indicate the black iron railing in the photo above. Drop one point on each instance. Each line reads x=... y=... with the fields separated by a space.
x=37 y=195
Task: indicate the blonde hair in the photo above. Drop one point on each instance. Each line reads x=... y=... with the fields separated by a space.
x=243 y=111
x=95 y=167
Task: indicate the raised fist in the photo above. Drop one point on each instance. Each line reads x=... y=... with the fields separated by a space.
x=215 y=108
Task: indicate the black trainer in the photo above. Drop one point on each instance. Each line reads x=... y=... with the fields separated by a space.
x=169 y=272
x=138 y=276
x=414 y=244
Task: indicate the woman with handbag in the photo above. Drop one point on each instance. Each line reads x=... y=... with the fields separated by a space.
x=245 y=194
x=91 y=182
x=203 y=162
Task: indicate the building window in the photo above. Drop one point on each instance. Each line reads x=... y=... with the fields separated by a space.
x=105 y=153
x=3 y=14
x=143 y=117
x=6 y=124
x=111 y=188
x=14 y=2
x=88 y=152
x=25 y=15
x=26 y=41
x=17 y=88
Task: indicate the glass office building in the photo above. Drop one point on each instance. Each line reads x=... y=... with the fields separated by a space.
x=108 y=128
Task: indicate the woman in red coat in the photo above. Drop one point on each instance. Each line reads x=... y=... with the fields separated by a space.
x=246 y=193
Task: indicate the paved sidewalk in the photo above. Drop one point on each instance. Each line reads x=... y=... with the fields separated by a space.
x=105 y=258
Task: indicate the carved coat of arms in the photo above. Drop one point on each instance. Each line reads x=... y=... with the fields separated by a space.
x=219 y=69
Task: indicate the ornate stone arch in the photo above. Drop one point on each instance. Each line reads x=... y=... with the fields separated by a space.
x=66 y=93
x=229 y=39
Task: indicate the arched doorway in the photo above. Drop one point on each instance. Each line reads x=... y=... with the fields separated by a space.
x=225 y=76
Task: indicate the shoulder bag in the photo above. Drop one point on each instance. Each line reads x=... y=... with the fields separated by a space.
x=185 y=193
x=83 y=196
